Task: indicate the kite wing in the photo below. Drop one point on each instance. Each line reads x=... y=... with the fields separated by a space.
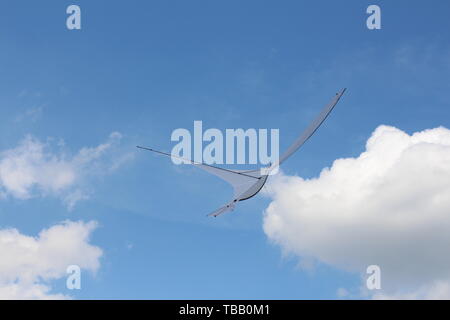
x=241 y=181
x=310 y=130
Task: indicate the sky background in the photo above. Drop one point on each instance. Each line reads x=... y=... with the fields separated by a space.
x=145 y=68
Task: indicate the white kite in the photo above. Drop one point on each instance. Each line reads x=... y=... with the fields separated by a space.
x=248 y=183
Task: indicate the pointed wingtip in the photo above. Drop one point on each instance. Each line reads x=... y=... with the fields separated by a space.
x=212 y=214
x=341 y=93
x=145 y=148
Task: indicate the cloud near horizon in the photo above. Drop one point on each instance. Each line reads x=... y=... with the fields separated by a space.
x=28 y=264
x=390 y=206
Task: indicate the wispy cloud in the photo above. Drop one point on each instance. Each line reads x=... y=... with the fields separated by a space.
x=32 y=114
x=37 y=169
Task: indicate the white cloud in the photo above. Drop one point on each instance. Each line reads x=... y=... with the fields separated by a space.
x=437 y=290
x=33 y=169
x=390 y=207
x=28 y=264
x=71 y=199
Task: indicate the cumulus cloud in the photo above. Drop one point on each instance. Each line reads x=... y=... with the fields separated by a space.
x=390 y=206
x=28 y=264
x=34 y=168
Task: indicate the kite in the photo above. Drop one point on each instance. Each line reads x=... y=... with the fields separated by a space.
x=247 y=183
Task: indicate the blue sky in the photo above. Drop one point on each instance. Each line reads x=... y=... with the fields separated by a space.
x=146 y=68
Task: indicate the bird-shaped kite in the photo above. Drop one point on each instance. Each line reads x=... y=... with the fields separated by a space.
x=247 y=183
